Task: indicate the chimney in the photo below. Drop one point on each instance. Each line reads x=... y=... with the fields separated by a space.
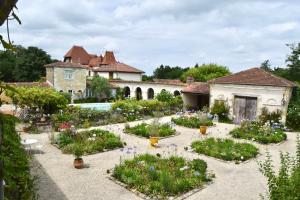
x=190 y=80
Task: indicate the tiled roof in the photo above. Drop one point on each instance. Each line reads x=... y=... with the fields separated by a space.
x=117 y=67
x=149 y=82
x=95 y=61
x=109 y=58
x=65 y=64
x=168 y=81
x=79 y=55
x=197 y=88
x=254 y=76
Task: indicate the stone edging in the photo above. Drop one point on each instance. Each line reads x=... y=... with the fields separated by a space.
x=161 y=138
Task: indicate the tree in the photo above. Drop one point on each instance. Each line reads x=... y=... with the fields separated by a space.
x=266 y=66
x=7 y=65
x=167 y=72
x=293 y=62
x=206 y=72
x=100 y=87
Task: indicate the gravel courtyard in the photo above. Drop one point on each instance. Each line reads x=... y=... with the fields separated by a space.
x=59 y=180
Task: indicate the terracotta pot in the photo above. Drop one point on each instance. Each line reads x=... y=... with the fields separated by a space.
x=203 y=130
x=78 y=163
x=153 y=140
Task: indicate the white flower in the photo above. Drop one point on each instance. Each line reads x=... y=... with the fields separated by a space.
x=94 y=135
x=184 y=168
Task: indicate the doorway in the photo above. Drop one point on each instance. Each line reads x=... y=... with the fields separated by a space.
x=244 y=108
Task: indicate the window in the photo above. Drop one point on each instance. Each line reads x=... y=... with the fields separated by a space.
x=68 y=74
x=111 y=75
x=70 y=91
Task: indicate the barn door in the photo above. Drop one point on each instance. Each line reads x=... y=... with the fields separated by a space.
x=244 y=108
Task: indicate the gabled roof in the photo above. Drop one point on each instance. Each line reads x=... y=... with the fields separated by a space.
x=65 y=65
x=254 y=76
x=109 y=58
x=79 y=55
x=95 y=61
x=197 y=88
x=117 y=67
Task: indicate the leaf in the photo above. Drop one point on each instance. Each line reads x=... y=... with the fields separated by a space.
x=16 y=17
x=7 y=45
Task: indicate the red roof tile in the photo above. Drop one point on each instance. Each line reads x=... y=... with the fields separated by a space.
x=168 y=81
x=65 y=64
x=96 y=61
x=254 y=76
x=197 y=88
x=109 y=58
x=117 y=67
x=149 y=82
x=78 y=55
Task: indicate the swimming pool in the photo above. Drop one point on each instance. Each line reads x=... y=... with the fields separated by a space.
x=95 y=106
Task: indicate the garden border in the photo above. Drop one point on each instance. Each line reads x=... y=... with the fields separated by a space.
x=161 y=138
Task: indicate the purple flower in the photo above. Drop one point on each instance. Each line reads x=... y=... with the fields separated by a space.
x=151 y=168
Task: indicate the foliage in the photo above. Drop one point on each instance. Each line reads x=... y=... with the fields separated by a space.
x=88 y=141
x=86 y=100
x=225 y=149
x=164 y=96
x=46 y=100
x=167 y=72
x=206 y=72
x=100 y=87
x=24 y=64
x=192 y=122
x=145 y=130
x=255 y=132
x=286 y=183
x=266 y=66
x=19 y=182
x=293 y=62
x=221 y=109
x=160 y=178
x=147 y=78
x=269 y=117
x=77 y=151
x=293 y=115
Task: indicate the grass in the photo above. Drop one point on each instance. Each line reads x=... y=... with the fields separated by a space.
x=91 y=142
x=260 y=134
x=192 y=122
x=144 y=130
x=225 y=149
x=162 y=177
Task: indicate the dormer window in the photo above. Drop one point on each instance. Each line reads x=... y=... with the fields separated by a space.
x=68 y=74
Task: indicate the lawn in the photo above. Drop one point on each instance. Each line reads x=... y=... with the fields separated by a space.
x=192 y=122
x=145 y=130
x=91 y=142
x=162 y=177
x=225 y=149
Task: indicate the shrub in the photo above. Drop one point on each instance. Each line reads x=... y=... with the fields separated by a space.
x=89 y=141
x=270 y=117
x=255 y=132
x=225 y=149
x=222 y=110
x=19 y=182
x=293 y=115
x=286 y=183
x=86 y=100
x=192 y=122
x=165 y=96
x=145 y=130
x=160 y=178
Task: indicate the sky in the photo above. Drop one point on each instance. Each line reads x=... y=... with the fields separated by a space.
x=239 y=34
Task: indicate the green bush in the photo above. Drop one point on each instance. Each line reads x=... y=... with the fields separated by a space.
x=90 y=142
x=293 y=116
x=19 y=182
x=144 y=130
x=225 y=149
x=162 y=177
x=87 y=100
x=164 y=96
x=269 y=117
x=192 y=122
x=255 y=132
x=286 y=183
x=222 y=110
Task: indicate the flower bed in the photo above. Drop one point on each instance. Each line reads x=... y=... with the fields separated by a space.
x=192 y=122
x=262 y=134
x=93 y=141
x=225 y=149
x=144 y=130
x=162 y=177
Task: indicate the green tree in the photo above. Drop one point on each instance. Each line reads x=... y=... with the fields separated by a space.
x=206 y=72
x=167 y=72
x=7 y=65
x=100 y=87
x=293 y=62
x=266 y=66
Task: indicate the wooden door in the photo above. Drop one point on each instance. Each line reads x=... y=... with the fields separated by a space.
x=244 y=108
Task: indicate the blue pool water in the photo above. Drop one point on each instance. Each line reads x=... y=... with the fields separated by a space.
x=95 y=106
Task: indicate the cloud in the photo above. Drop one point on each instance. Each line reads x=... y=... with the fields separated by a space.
x=146 y=33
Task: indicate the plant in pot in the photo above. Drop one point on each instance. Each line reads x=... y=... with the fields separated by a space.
x=78 y=153
x=203 y=125
x=153 y=132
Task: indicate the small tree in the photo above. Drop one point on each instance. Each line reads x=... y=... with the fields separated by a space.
x=164 y=96
x=266 y=66
x=100 y=87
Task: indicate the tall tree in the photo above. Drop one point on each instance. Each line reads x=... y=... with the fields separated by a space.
x=293 y=62
x=167 y=72
x=206 y=72
x=7 y=65
x=100 y=87
x=266 y=65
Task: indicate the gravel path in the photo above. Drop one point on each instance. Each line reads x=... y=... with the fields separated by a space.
x=59 y=180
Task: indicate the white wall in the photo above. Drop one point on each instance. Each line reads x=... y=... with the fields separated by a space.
x=127 y=76
x=267 y=96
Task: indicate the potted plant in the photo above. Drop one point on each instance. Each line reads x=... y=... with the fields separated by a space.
x=78 y=153
x=153 y=133
x=203 y=124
